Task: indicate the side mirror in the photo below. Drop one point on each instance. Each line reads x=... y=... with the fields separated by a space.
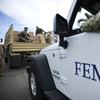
x=60 y=25
x=61 y=28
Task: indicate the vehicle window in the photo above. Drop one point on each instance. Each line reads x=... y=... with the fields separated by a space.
x=81 y=16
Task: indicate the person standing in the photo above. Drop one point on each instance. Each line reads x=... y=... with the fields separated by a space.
x=2 y=61
x=39 y=30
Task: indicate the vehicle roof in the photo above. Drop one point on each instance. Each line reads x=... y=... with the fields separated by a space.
x=92 y=6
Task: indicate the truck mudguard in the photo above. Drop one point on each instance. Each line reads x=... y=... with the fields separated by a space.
x=40 y=66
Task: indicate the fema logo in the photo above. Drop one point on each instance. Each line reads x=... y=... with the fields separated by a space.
x=87 y=70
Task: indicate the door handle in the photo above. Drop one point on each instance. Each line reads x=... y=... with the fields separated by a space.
x=64 y=80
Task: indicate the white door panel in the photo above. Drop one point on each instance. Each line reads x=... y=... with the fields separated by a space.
x=83 y=51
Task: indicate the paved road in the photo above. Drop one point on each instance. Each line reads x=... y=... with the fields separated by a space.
x=14 y=85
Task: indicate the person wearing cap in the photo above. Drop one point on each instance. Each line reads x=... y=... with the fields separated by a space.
x=24 y=36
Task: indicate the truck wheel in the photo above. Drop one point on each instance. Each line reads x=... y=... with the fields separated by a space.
x=9 y=62
x=35 y=88
x=6 y=60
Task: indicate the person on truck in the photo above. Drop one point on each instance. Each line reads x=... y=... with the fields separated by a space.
x=24 y=36
x=39 y=30
x=2 y=62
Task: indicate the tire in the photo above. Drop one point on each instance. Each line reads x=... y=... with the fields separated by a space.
x=9 y=62
x=35 y=88
x=6 y=60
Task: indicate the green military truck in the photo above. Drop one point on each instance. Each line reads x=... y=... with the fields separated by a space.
x=16 y=51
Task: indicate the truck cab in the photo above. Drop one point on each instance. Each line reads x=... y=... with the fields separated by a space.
x=69 y=69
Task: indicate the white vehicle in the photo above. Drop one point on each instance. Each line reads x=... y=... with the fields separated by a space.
x=70 y=69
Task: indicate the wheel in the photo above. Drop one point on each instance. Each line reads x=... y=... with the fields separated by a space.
x=8 y=59
x=9 y=62
x=35 y=88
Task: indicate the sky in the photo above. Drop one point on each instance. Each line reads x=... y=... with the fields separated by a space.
x=31 y=13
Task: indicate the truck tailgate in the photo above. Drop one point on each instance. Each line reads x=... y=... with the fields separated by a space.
x=21 y=47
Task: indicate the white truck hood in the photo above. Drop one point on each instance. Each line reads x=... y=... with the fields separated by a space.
x=51 y=47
